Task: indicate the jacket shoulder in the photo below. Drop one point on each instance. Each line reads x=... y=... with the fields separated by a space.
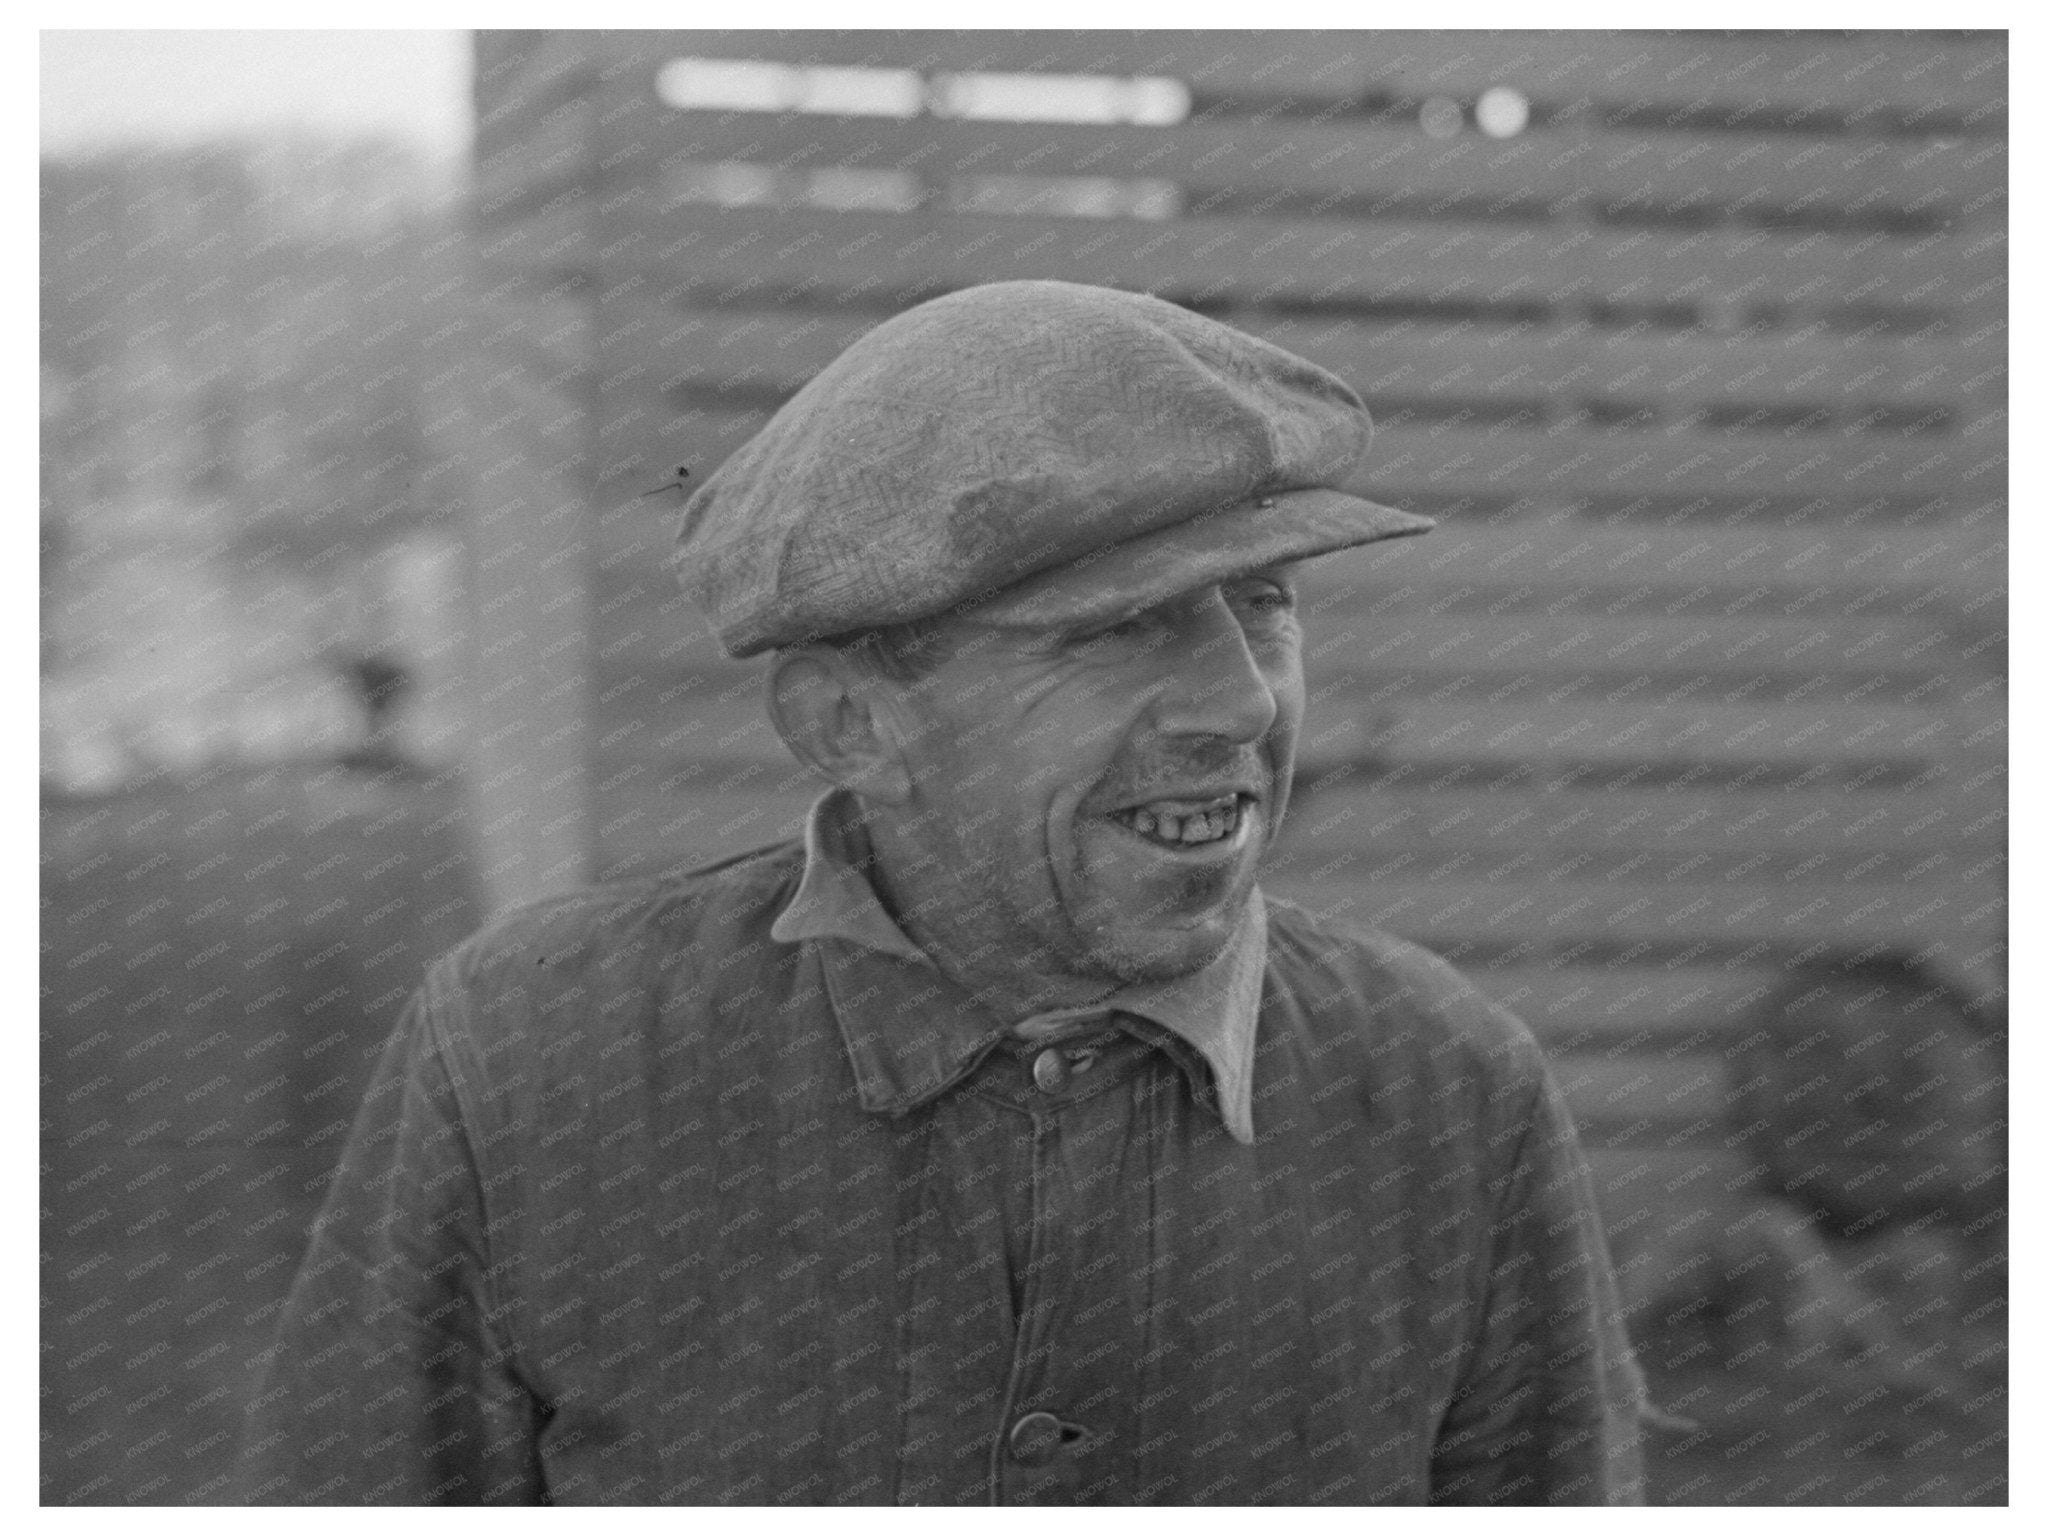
x=1351 y=978
x=615 y=928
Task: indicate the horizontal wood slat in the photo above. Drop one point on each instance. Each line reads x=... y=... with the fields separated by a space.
x=1365 y=168
x=1545 y=736
x=1795 y=178
x=1881 y=71
x=1443 y=914
x=1778 y=830
x=749 y=256
x=1865 y=560
x=1453 y=458
x=1512 y=644
x=1380 y=631
x=1811 y=858
x=1446 y=456
x=1528 y=563
x=1817 y=385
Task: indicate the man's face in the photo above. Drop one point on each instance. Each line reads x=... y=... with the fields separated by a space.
x=1101 y=797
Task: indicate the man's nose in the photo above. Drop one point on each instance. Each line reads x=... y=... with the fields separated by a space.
x=1216 y=685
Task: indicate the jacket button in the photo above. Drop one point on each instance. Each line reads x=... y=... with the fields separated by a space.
x=1035 y=1439
x=1049 y=1069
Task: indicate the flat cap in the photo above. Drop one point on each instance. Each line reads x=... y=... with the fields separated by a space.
x=1039 y=452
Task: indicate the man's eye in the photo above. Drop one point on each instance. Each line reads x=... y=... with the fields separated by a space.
x=1267 y=599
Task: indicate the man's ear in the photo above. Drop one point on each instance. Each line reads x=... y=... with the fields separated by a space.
x=827 y=710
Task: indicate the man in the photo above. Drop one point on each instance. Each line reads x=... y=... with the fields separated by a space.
x=1001 y=1142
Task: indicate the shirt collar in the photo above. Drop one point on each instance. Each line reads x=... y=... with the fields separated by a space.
x=835 y=899
x=906 y=1024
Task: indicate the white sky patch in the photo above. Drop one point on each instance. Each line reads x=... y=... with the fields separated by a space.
x=105 y=88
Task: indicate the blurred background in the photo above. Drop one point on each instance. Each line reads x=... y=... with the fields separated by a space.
x=1684 y=735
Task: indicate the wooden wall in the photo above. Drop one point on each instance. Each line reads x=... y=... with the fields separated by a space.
x=1703 y=371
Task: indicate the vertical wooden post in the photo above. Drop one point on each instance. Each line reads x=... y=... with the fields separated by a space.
x=527 y=468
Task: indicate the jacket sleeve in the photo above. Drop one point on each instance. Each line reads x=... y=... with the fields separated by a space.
x=391 y=1380
x=1548 y=1409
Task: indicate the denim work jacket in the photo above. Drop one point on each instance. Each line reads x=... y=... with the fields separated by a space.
x=645 y=1206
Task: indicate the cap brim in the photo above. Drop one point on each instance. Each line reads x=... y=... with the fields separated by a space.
x=1127 y=578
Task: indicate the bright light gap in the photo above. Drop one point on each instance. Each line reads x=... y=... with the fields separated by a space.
x=751 y=85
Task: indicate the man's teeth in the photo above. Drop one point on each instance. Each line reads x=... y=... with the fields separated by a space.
x=1183 y=821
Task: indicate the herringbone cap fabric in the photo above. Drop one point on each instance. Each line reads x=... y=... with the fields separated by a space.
x=1044 y=451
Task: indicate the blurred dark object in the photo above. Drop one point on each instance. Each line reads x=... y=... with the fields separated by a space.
x=1875 y=1094
x=380 y=682
x=1855 y=1267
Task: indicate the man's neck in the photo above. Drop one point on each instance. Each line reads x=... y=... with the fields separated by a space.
x=975 y=947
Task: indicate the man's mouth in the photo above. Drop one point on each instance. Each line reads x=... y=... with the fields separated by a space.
x=1188 y=824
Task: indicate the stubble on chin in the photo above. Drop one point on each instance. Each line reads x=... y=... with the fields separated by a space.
x=1133 y=946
